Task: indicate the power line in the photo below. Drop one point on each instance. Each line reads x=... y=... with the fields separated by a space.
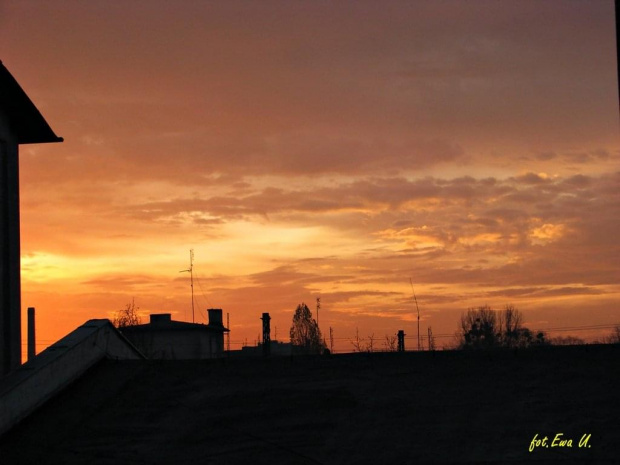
x=202 y=292
x=191 y=273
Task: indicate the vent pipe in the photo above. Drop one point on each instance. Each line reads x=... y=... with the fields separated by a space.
x=32 y=343
x=401 y=340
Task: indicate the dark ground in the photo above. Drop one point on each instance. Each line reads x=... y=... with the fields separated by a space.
x=446 y=407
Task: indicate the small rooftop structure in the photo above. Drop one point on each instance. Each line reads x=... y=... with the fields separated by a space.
x=166 y=339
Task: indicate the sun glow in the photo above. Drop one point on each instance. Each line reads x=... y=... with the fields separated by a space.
x=547 y=233
x=42 y=267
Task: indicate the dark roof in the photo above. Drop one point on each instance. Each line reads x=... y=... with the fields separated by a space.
x=173 y=326
x=25 y=119
x=441 y=408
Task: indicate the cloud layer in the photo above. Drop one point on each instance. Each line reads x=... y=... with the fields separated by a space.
x=310 y=148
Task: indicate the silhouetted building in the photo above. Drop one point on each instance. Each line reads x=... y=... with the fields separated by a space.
x=165 y=339
x=276 y=349
x=31 y=385
x=20 y=123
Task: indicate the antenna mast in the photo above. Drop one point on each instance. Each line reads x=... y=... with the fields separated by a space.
x=191 y=275
x=228 y=333
x=418 y=309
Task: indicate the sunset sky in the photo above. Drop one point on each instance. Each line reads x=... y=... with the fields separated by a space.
x=332 y=149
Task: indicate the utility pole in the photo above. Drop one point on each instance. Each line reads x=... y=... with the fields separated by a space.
x=331 y=339
x=228 y=333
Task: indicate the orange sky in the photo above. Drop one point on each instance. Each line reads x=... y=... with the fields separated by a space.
x=307 y=149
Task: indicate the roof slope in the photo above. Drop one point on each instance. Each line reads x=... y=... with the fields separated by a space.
x=442 y=408
x=24 y=117
x=34 y=383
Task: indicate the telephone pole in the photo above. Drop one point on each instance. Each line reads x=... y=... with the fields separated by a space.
x=228 y=333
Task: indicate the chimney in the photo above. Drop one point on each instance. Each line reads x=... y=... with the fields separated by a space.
x=401 y=340
x=32 y=344
x=215 y=317
x=160 y=318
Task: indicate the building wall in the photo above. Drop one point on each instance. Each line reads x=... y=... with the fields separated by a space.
x=277 y=349
x=10 y=299
x=174 y=344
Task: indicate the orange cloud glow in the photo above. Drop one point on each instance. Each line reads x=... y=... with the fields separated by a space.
x=313 y=149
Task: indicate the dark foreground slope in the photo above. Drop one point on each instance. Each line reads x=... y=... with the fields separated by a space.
x=448 y=407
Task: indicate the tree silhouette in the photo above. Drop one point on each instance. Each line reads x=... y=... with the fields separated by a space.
x=478 y=328
x=614 y=337
x=390 y=343
x=567 y=341
x=357 y=342
x=484 y=328
x=127 y=316
x=305 y=333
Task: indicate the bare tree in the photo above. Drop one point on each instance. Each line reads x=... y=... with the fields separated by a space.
x=567 y=341
x=357 y=342
x=370 y=346
x=510 y=327
x=127 y=316
x=485 y=328
x=431 y=340
x=390 y=343
x=614 y=337
x=479 y=328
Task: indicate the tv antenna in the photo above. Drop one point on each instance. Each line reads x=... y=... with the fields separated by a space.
x=191 y=275
x=418 y=309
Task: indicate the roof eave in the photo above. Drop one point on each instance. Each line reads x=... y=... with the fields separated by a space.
x=24 y=117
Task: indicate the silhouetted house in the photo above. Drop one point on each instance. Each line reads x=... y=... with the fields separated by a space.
x=20 y=123
x=166 y=339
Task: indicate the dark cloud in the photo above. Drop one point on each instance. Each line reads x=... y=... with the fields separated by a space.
x=538 y=292
x=545 y=156
x=124 y=282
